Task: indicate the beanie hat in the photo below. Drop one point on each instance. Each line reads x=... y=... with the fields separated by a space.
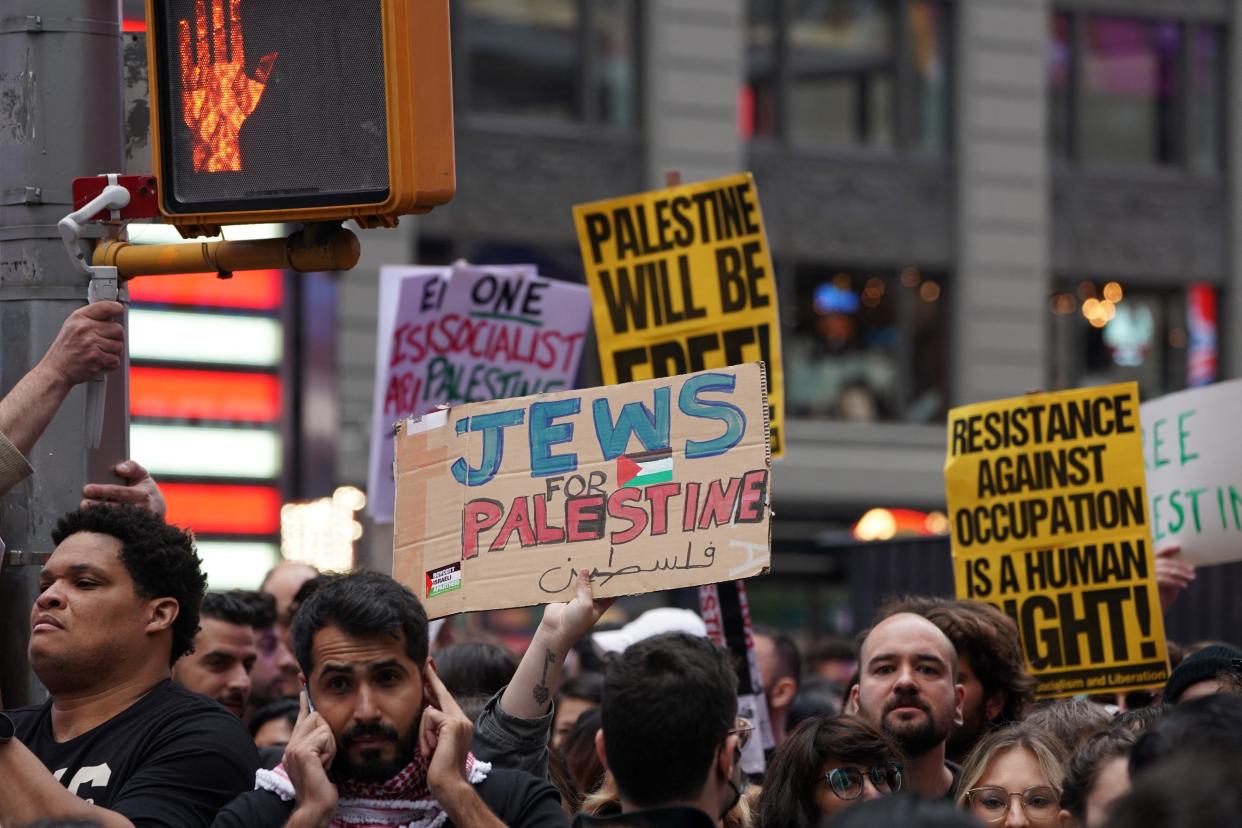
x=1206 y=664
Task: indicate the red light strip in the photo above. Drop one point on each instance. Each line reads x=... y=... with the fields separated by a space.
x=248 y=290
x=204 y=395
x=223 y=510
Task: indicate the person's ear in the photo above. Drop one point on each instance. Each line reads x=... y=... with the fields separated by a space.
x=959 y=694
x=783 y=692
x=161 y=613
x=852 y=705
x=727 y=755
x=994 y=705
x=599 y=748
x=1064 y=819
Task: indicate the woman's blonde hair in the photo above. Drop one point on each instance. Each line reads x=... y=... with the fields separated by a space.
x=1048 y=753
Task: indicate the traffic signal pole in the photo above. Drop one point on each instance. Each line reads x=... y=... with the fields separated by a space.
x=61 y=116
x=317 y=246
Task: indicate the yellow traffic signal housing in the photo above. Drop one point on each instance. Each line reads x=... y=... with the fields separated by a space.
x=299 y=110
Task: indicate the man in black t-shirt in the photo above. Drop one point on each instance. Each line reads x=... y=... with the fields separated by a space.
x=379 y=739
x=118 y=743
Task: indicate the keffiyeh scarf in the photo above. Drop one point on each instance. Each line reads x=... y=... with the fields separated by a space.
x=404 y=801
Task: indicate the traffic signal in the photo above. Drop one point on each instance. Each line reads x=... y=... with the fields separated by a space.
x=299 y=110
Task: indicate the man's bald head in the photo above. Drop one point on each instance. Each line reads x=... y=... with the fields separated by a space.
x=904 y=624
x=283 y=582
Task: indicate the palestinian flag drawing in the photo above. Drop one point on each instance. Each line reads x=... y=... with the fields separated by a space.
x=645 y=468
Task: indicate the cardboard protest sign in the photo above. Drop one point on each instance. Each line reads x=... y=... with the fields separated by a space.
x=682 y=280
x=467 y=334
x=1049 y=524
x=649 y=485
x=1194 y=472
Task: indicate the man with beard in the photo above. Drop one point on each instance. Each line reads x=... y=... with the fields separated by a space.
x=990 y=666
x=275 y=673
x=780 y=667
x=379 y=740
x=118 y=744
x=224 y=651
x=907 y=685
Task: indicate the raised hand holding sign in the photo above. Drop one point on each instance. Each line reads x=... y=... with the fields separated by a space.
x=216 y=95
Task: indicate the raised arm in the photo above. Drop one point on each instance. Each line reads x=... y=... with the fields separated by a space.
x=512 y=731
x=90 y=342
x=529 y=694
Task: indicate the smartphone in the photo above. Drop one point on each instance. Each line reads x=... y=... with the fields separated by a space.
x=310 y=703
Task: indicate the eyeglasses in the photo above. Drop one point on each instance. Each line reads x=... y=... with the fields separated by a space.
x=990 y=802
x=743 y=729
x=847 y=783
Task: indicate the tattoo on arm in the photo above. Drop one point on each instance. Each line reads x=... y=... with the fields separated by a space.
x=541 y=692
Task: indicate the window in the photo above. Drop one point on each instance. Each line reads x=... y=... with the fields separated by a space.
x=558 y=60
x=1136 y=91
x=1162 y=338
x=1129 y=79
x=867 y=345
x=841 y=73
x=1060 y=74
x=848 y=72
x=758 y=103
x=1207 y=82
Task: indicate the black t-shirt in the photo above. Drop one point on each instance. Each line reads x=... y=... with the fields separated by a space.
x=517 y=798
x=173 y=758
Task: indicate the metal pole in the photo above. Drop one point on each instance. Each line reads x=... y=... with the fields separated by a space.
x=61 y=116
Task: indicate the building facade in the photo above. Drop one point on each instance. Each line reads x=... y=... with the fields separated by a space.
x=966 y=199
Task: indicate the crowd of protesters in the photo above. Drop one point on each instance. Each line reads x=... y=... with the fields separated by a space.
x=324 y=699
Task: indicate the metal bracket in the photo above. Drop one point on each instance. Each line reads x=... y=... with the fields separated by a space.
x=16 y=557
x=34 y=195
x=38 y=232
x=37 y=23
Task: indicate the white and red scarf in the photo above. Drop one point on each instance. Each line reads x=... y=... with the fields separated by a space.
x=404 y=801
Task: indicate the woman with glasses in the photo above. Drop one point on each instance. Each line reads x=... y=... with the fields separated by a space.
x=1014 y=778
x=827 y=764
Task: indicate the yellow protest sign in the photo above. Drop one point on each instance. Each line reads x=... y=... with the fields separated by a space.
x=1049 y=515
x=681 y=280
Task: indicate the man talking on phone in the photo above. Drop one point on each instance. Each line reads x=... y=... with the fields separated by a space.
x=379 y=740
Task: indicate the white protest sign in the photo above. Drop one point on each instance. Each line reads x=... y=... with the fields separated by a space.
x=409 y=300
x=463 y=334
x=1194 y=472
x=508 y=333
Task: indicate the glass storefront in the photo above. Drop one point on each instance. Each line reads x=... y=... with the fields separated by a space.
x=867 y=345
x=1165 y=339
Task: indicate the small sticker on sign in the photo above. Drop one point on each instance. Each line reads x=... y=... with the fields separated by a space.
x=442 y=580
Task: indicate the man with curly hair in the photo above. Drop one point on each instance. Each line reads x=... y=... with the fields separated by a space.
x=118 y=743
